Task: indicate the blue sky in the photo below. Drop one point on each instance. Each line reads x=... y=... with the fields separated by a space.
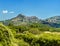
x=40 y=8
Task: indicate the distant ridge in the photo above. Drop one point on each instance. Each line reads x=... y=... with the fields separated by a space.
x=22 y=19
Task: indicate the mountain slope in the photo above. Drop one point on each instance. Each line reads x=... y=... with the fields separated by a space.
x=21 y=19
x=55 y=19
x=24 y=20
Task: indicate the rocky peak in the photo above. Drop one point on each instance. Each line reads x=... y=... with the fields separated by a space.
x=21 y=15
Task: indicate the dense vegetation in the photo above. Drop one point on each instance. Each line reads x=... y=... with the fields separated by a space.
x=29 y=35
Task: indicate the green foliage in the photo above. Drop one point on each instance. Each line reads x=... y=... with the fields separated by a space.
x=43 y=39
x=6 y=36
x=28 y=35
x=34 y=31
x=22 y=28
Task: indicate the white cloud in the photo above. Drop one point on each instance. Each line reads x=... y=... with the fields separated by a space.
x=5 y=11
x=11 y=12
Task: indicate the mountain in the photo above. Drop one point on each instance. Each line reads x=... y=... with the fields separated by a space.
x=55 y=19
x=21 y=19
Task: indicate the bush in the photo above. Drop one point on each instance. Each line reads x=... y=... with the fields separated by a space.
x=43 y=39
x=34 y=31
x=6 y=36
